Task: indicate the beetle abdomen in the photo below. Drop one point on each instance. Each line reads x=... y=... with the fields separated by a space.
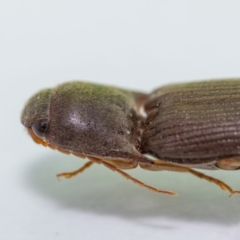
x=194 y=123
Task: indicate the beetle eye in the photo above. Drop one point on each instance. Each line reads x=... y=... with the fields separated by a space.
x=40 y=127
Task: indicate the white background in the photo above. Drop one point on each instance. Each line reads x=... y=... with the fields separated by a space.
x=132 y=44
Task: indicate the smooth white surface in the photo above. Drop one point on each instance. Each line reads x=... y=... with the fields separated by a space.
x=132 y=44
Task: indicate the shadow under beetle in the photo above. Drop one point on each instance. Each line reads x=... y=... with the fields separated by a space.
x=184 y=126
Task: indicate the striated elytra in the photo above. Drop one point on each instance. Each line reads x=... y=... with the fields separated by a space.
x=184 y=126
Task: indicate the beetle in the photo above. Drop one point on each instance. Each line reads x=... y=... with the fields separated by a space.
x=181 y=126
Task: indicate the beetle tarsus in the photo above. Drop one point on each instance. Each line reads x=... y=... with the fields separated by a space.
x=234 y=192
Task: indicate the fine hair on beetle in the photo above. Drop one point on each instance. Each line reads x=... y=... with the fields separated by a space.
x=181 y=126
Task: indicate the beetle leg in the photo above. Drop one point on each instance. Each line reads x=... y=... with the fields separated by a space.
x=122 y=164
x=127 y=176
x=158 y=165
x=74 y=173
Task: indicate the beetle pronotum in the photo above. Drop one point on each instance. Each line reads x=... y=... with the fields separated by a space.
x=185 y=126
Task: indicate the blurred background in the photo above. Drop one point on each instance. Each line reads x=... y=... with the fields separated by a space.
x=136 y=45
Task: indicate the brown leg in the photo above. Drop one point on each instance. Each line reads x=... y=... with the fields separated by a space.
x=127 y=176
x=74 y=173
x=121 y=164
x=159 y=165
